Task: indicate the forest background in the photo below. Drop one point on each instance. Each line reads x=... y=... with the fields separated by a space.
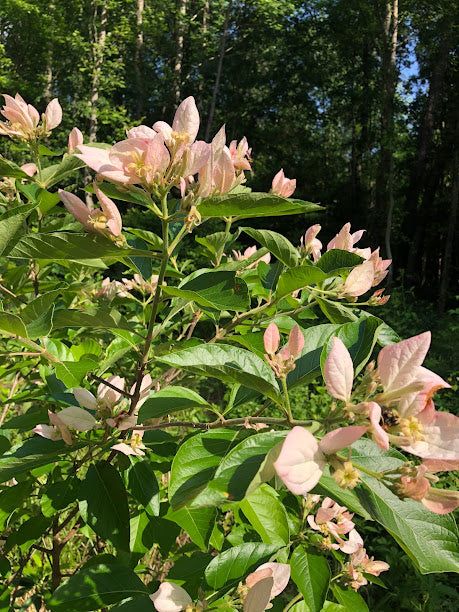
x=356 y=99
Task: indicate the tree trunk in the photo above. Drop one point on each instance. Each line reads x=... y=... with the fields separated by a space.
x=426 y=136
x=138 y=58
x=179 y=52
x=98 y=45
x=452 y=220
x=384 y=181
x=219 y=72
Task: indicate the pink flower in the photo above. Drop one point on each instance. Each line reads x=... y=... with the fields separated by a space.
x=106 y=221
x=72 y=416
x=302 y=459
x=170 y=597
x=380 y=267
x=334 y=520
x=361 y=564
x=282 y=186
x=284 y=361
x=240 y=154
x=145 y=389
x=339 y=371
x=132 y=446
x=75 y=140
x=417 y=486
x=185 y=126
x=345 y=241
x=106 y=397
x=280 y=572
x=23 y=119
x=310 y=244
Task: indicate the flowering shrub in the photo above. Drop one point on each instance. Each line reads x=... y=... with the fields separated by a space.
x=124 y=484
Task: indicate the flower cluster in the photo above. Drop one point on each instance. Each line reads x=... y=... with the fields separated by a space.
x=282 y=362
x=23 y=120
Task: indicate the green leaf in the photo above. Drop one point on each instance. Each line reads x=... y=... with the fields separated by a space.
x=112 y=191
x=430 y=540
x=336 y=261
x=39 y=305
x=11 y=325
x=196 y=462
x=233 y=564
x=103 y=504
x=71 y=247
x=306 y=274
x=349 y=599
x=153 y=239
x=11 y=222
x=197 y=522
x=170 y=400
x=267 y=515
x=335 y=311
x=229 y=364
x=55 y=173
x=32 y=453
x=278 y=245
x=135 y=604
x=143 y=486
x=249 y=204
x=27 y=421
x=141 y=534
x=307 y=367
x=28 y=533
x=59 y=495
x=214 y=243
x=9 y=168
x=72 y=373
x=95 y=587
x=213 y=289
x=311 y=574
x=12 y=498
x=90 y=317
x=42 y=325
x=240 y=466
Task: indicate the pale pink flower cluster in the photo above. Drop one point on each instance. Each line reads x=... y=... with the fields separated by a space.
x=282 y=186
x=333 y=520
x=23 y=120
x=282 y=362
x=359 y=564
x=139 y=284
x=402 y=412
x=73 y=416
x=105 y=220
x=363 y=277
x=166 y=156
x=110 y=289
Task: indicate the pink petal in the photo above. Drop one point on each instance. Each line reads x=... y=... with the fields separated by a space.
x=77 y=418
x=170 y=597
x=45 y=431
x=53 y=114
x=271 y=339
x=77 y=208
x=109 y=396
x=85 y=398
x=379 y=434
x=75 y=140
x=162 y=128
x=341 y=438
x=398 y=363
x=187 y=118
x=441 y=439
x=301 y=462
x=339 y=371
x=353 y=544
x=29 y=169
x=141 y=131
x=280 y=573
x=111 y=211
x=296 y=341
x=441 y=501
x=440 y=465
x=94 y=157
x=360 y=279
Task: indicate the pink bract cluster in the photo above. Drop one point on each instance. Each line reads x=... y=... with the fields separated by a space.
x=394 y=405
x=23 y=120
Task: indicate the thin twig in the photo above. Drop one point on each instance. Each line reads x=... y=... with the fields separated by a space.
x=225 y=423
x=105 y=382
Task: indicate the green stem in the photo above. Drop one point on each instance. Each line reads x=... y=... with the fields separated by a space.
x=176 y=240
x=219 y=255
x=287 y=400
x=154 y=309
x=376 y=475
x=290 y=604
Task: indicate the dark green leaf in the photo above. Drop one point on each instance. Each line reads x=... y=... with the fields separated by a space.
x=42 y=325
x=213 y=289
x=306 y=274
x=248 y=204
x=143 y=486
x=197 y=522
x=54 y=174
x=337 y=261
x=59 y=495
x=95 y=587
x=229 y=364
x=335 y=311
x=103 y=504
x=91 y=317
x=169 y=400
x=352 y=601
x=278 y=245
x=311 y=574
x=9 y=168
x=27 y=421
x=11 y=325
x=72 y=373
x=28 y=533
x=233 y=564
x=267 y=515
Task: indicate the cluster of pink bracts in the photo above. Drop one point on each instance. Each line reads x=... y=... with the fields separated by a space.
x=393 y=404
